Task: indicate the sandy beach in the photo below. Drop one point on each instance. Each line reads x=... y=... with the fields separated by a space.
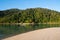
x=41 y=34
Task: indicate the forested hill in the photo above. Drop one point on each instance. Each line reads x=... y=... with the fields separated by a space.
x=36 y=15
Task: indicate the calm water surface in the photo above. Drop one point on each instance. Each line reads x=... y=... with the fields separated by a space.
x=10 y=29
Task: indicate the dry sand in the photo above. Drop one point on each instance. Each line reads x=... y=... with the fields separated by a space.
x=41 y=34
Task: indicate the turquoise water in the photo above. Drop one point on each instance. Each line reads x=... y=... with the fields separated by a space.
x=7 y=29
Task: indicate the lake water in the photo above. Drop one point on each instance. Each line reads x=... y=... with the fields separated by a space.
x=11 y=29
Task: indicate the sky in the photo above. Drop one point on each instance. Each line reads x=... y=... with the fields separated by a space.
x=24 y=4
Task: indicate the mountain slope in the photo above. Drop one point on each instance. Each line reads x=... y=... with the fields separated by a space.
x=36 y=15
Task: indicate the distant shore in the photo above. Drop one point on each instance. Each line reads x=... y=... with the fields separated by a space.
x=33 y=23
x=23 y=24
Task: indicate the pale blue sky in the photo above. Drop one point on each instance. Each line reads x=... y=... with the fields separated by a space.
x=23 y=4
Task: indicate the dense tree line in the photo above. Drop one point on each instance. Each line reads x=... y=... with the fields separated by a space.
x=36 y=15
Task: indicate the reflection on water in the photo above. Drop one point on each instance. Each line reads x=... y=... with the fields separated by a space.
x=12 y=29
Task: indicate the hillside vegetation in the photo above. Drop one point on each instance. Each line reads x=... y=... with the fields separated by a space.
x=36 y=15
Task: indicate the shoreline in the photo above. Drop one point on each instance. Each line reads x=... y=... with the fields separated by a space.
x=41 y=34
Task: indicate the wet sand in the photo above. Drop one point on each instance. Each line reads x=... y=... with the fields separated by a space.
x=41 y=34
